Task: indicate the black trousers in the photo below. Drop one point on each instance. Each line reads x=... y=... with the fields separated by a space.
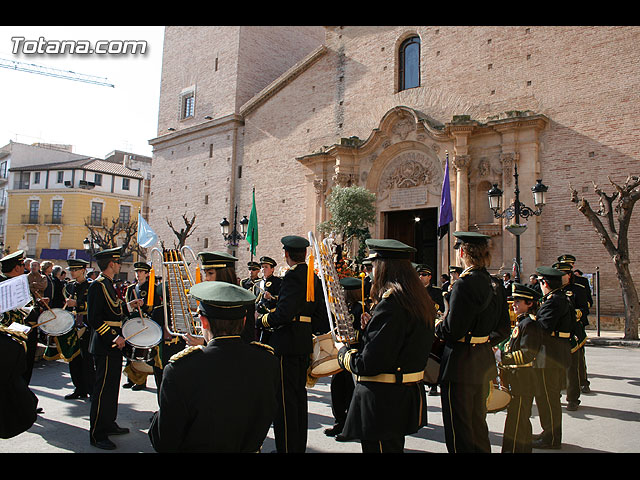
x=342 y=387
x=517 y=435
x=291 y=420
x=104 y=400
x=464 y=414
x=394 y=445
x=549 y=383
x=81 y=368
x=32 y=346
x=574 y=382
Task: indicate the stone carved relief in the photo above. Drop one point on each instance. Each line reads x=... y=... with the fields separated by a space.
x=484 y=167
x=343 y=179
x=460 y=162
x=403 y=127
x=409 y=171
x=507 y=160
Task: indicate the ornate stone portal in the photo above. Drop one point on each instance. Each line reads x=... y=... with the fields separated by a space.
x=403 y=163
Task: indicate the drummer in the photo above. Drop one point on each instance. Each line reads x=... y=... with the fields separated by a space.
x=105 y=314
x=12 y=267
x=140 y=290
x=517 y=371
x=81 y=365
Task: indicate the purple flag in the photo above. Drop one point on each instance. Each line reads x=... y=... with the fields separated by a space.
x=446 y=214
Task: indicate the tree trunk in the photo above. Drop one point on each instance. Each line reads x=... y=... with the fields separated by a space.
x=630 y=301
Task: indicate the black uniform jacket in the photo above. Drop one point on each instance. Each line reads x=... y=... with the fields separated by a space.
x=436 y=295
x=519 y=354
x=217 y=399
x=78 y=291
x=396 y=344
x=105 y=314
x=294 y=319
x=17 y=403
x=477 y=308
x=556 y=317
x=272 y=285
x=577 y=295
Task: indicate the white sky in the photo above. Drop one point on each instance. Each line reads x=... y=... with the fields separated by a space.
x=94 y=119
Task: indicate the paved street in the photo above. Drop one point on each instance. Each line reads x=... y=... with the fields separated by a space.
x=608 y=419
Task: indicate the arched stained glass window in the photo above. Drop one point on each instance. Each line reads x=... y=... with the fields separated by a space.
x=409 y=63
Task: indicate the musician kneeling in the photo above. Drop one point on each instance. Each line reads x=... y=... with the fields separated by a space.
x=517 y=369
x=218 y=398
x=389 y=400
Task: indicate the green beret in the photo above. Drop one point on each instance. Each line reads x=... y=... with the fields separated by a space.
x=518 y=290
x=351 y=283
x=567 y=259
x=268 y=261
x=566 y=267
x=77 y=263
x=222 y=300
x=142 y=266
x=109 y=253
x=216 y=260
x=424 y=269
x=470 y=237
x=294 y=242
x=549 y=272
x=388 y=248
x=10 y=261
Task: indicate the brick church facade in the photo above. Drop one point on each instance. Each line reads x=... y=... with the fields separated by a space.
x=293 y=111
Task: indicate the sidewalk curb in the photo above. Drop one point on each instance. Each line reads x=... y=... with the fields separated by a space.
x=618 y=342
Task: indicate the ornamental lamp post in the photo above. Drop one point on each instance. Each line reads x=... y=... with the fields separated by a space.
x=516 y=210
x=232 y=238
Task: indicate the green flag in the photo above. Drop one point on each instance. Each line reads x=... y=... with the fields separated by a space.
x=252 y=228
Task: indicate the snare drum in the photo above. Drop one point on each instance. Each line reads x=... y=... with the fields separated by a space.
x=432 y=370
x=140 y=347
x=58 y=322
x=324 y=361
x=498 y=399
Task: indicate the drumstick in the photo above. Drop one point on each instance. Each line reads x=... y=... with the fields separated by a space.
x=135 y=295
x=46 y=305
x=362 y=275
x=132 y=335
x=42 y=323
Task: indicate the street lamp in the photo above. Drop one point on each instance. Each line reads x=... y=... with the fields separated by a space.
x=89 y=246
x=516 y=210
x=232 y=238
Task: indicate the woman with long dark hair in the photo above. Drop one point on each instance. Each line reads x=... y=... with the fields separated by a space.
x=389 y=400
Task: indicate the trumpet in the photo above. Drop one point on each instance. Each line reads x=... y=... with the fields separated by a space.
x=180 y=310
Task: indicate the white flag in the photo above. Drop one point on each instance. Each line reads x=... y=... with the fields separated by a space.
x=146 y=236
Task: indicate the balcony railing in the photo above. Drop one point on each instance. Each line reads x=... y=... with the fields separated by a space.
x=53 y=219
x=95 y=221
x=30 y=219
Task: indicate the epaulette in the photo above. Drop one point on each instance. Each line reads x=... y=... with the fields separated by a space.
x=19 y=337
x=387 y=294
x=185 y=352
x=269 y=348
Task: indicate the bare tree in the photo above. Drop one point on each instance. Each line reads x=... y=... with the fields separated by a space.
x=617 y=206
x=116 y=234
x=185 y=232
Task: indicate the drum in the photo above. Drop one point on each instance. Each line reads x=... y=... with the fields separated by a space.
x=498 y=399
x=141 y=340
x=325 y=357
x=56 y=322
x=432 y=370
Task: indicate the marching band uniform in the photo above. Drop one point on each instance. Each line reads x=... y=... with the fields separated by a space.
x=389 y=400
x=81 y=366
x=21 y=316
x=342 y=385
x=137 y=378
x=584 y=320
x=518 y=375
x=264 y=305
x=556 y=317
x=18 y=404
x=105 y=314
x=478 y=319
x=218 y=398
x=249 y=282
x=292 y=324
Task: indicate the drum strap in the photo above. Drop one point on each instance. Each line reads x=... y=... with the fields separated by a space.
x=302 y=318
x=561 y=334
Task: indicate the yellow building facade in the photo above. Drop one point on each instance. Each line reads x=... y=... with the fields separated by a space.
x=50 y=206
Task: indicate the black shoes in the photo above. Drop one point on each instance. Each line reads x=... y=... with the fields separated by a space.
x=118 y=431
x=572 y=406
x=129 y=384
x=105 y=444
x=75 y=395
x=142 y=386
x=333 y=431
